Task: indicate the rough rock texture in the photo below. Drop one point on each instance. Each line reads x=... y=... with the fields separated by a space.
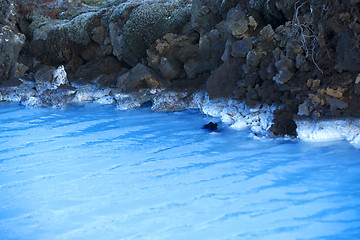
x=301 y=56
x=10 y=46
x=140 y=77
x=135 y=25
x=11 y=41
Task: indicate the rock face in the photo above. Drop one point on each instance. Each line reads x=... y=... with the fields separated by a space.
x=303 y=56
x=11 y=41
x=135 y=25
x=10 y=46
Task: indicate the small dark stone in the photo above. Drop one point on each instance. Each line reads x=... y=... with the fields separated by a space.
x=210 y=126
x=284 y=123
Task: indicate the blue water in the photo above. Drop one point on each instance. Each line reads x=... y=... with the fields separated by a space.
x=92 y=172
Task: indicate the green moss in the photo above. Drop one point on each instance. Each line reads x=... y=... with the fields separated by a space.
x=150 y=21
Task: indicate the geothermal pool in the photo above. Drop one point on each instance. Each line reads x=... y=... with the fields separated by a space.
x=93 y=172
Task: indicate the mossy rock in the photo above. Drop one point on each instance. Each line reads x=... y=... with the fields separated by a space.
x=95 y=3
x=76 y=29
x=150 y=21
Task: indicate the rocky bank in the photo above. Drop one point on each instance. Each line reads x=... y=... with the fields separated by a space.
x=287 y=60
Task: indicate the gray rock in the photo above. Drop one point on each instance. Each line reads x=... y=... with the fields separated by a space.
x=227 y=52
x=120 y=47
x=93 y=69
x=10 y=46
x=237 y=22
x=8 y=13
x=241 y=48
x=192 y=68
x=140 y=77
x=283 y=77
x=152 y=20
x=56 y=98
x=285 y=66
x=267 y=33
x=49 y=78
x=169 y=68
x=99 y=34
x=252 y=58
x=303 y=110
x=348 y=57
x=76 y=30
x=205 y=14
x=335 y=103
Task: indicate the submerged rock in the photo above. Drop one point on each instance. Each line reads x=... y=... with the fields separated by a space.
x=210 y=126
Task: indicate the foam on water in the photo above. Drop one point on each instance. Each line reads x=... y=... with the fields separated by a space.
x=93 y=172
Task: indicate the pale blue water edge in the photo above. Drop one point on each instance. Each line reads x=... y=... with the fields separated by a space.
x=92 y=172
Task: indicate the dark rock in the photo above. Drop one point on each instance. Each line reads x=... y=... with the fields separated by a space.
x=150 y=21
x=210 y=126
x=335 y=104
x=211 y=47
x=10 y=46
x=335 y=24
x=55 y=51
x=108 y=80
x=252 y=97
x=8 y=12
x=205 y=14
x=93 y=69
x=48 y=77
x=223 y=80
x=253 y=58
x=237 y=22
x=92 y=51
x=267 y=92
x=284 y=124
x=172 y=46
x=268 y=10
x=140 y=77
x=241 y=48
x=57 y=97
x=348 y=56
x=285 y=67
x=169 y=68
x=357 y=89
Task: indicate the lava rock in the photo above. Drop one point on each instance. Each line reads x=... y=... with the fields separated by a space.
x=241 y=48
x=140 y=77
x=210 y=126
x=284 y=124
x=348 y=56
x=10 y=46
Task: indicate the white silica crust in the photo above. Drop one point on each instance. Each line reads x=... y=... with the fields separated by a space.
x=232 y=112
x=238 y=115
x=60 y=76
x=330 y=129
x=90 y=93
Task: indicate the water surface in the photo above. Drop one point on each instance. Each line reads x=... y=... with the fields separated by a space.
x=92 y=172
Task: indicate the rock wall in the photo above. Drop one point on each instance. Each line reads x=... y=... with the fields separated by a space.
x=301 y=55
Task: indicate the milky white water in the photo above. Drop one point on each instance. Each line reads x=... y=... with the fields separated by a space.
x=93 y=172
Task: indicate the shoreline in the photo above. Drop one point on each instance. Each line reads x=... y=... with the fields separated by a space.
x=235 y=114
